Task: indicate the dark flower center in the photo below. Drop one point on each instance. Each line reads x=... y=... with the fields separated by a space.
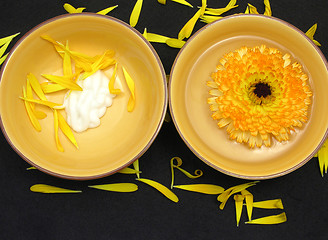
x=262 y=90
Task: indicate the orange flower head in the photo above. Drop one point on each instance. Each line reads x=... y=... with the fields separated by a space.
x=258 y=93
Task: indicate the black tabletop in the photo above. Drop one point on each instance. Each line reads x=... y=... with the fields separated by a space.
x=147 y=214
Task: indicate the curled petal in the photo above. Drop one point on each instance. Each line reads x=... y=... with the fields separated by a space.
x=274 y=219
x=117 y=187
x=202 y=188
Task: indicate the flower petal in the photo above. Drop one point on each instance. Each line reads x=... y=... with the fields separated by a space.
x=134 y=17
x=175 y=43
x=107 y=10
x=162 y=1
x=239 y=199
x=51 y=87
x=36 y=86
x=202 y=188
x=58 y=144
x=161 y=188
x=41 y=102
x=183 y=2
x=249 y=203
x=66 y=129
x=31 y=114
x=70 y=9
x=136 y=167
x=274 y=219
x=44 y=188
x=219 y=11
x=64 y=81
x=187 y=29
x=117 y=187
x=131 y=86
x=111 y=82
x=252 y=9
x=310 y=33
x=128 y=170
x=269 y=204
x=267 y=10
x=7 y=39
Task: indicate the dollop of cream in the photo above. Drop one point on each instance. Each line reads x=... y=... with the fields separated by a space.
x=85 y=108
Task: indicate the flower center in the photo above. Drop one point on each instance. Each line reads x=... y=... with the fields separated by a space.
x=262 y=90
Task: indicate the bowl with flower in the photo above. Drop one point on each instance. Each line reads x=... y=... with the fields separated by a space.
x=247 y=95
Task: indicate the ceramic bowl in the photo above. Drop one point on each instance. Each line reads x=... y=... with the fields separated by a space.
x=122 y=136
x=188 y=95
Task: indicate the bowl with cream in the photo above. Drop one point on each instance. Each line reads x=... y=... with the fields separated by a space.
x=82 y=96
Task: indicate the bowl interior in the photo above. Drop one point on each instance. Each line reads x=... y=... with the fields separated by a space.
x=189 y=93
x=122 y=136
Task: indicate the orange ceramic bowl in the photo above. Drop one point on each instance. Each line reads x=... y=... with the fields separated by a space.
x=188 y=95
x=122 y=136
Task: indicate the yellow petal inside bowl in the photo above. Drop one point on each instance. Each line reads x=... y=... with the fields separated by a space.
x=122 y=136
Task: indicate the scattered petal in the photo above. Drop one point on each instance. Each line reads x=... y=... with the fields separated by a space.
x=161 y=188
x=310 y=33
x=7 y=39
x=209 y=19
x=175 y=43
x=42 y=102
x=107 y=10
x=131 y=86
x=267 y=10
x=51 y=87
x=128 y=170
x=323 y=158
x=274 y=219
x=249 y=203
x=223 y=197
x=162 y=1
x=134 y=17
x=269 y=204
x=239 y=206
x=187 y=29
x=43 y=188
x=117 y=187
x=31 y=168
x=153 y=37
x=202 y=188
x=136 y=167
x=3 y=58
x=183 y=2
x=252 y=9
x=70 y=9
x=220 y=11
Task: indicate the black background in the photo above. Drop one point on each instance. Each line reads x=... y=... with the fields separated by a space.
x=146 y=214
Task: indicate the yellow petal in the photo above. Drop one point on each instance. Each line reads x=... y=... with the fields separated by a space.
x=175 y=43
x=66 y=129
x=247 y=10
x=209 y=19
x=67 y=64
x=187 y=29
x=117 y=187
x=252 y=9
x=43 y=188
x=239 y=206
x=183 y=2
x=162 y=1
x=111 y=82
x=267 y=10
x=274 y=219
x=7 y=39
x=223 y=197
x=249 y=203
x=134 y=17
x=40 y=114
x=323 y=158
x=202 y=188
x=203 y=7
x=36 y=86
x=4 y=48
x=219 y=11
x=3 y=58
x=310 y=33
x=30 y=113
x=269 y=204
x=42 y=102
x=70 y=9
x=64 y=81
x=131 y=86
x=136 y=167
x=58 y=144
x=161 y=188
x=31 y=168
x=128 y=170
x=107 y=10
x=51 y=87
x=153 y=37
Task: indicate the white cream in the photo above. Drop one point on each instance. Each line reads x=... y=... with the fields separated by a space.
x=85 y=108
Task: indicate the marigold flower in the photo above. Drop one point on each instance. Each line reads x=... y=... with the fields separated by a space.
x=258 y=93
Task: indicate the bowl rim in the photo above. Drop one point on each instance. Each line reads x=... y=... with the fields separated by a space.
x=249 y=177
x=159 y=63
